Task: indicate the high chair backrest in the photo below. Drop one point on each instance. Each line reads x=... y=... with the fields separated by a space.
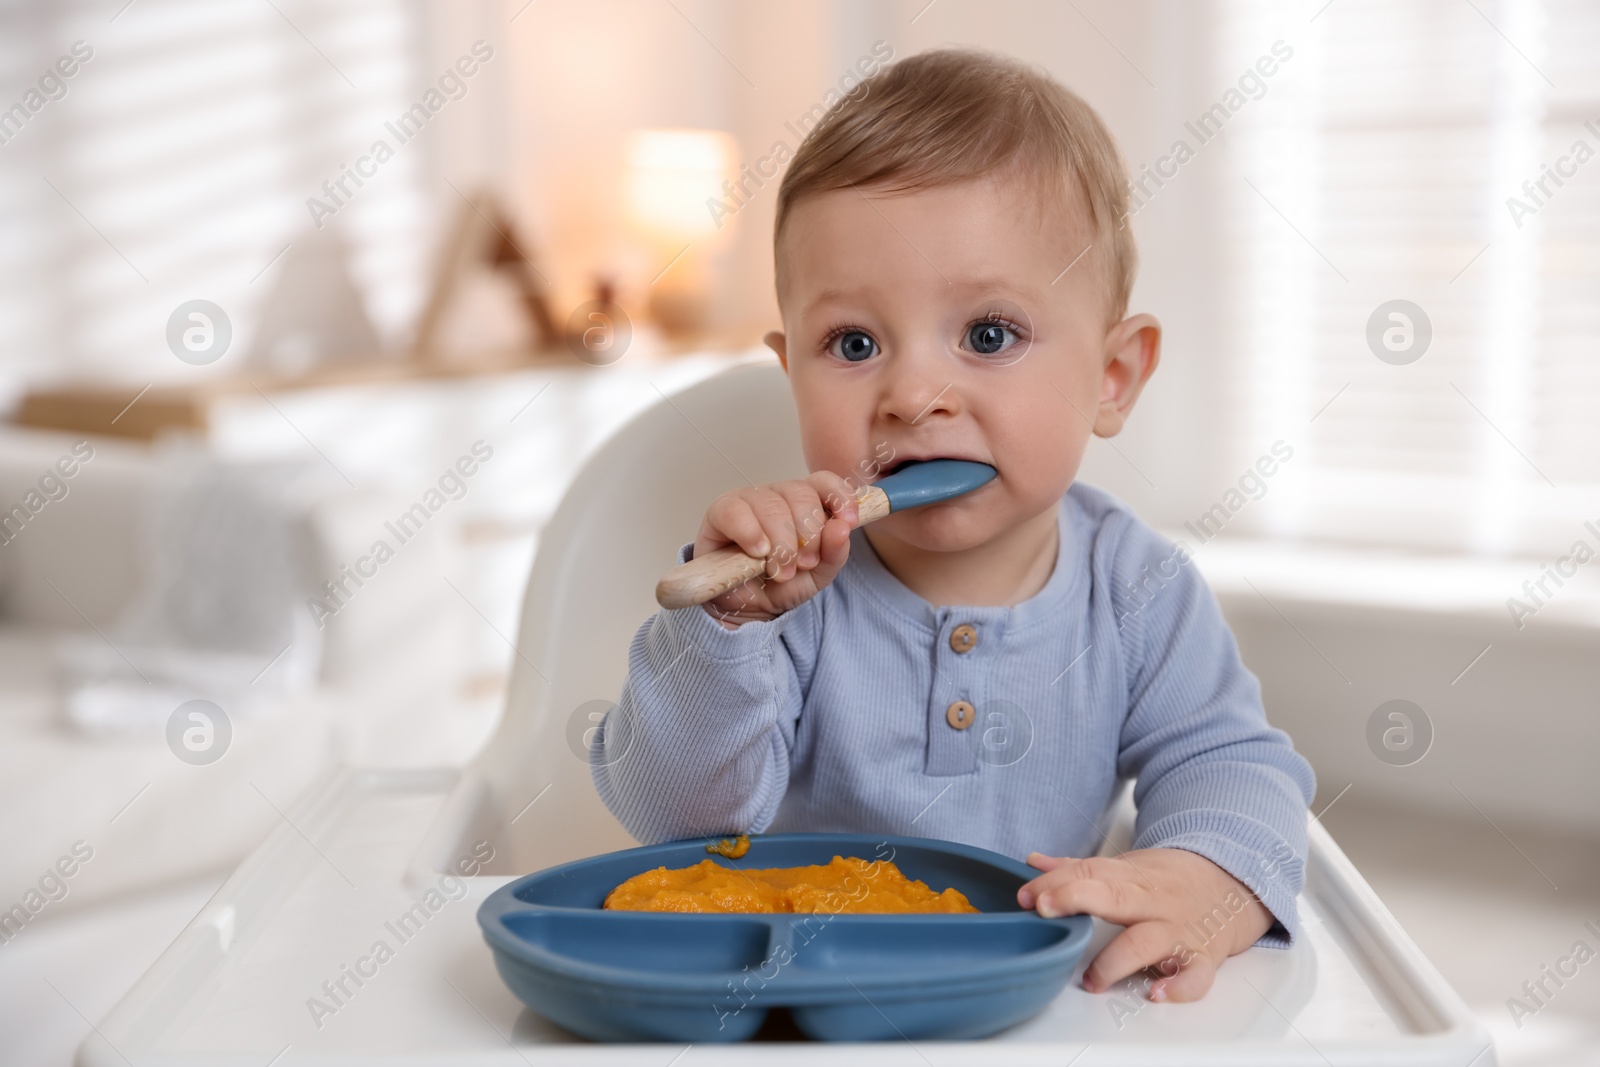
x=615 y=533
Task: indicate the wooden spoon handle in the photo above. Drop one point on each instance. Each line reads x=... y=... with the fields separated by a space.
x=709 y=576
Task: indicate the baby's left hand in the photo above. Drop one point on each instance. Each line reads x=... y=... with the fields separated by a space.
x=1157 y=893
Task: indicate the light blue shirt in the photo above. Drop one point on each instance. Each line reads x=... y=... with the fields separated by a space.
x=836 y=716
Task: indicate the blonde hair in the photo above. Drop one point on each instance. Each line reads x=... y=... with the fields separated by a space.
x=952 y=115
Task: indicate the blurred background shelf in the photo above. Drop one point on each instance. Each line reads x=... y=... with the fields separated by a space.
x=146 y=412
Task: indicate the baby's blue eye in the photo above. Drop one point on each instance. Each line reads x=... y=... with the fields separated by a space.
x=854 y=346
x=988 y=338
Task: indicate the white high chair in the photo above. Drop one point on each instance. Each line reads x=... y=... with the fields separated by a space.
x=366 y=856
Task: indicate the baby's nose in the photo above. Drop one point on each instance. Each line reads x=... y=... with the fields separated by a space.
x=914 y=397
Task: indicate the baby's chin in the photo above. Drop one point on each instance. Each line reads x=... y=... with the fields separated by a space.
x=951 y=526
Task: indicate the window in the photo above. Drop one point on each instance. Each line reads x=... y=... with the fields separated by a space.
x=175 y=163
x=1388 y=161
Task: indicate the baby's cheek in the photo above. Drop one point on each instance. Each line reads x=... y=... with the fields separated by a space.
x=1037 y=477
x=1041 y=444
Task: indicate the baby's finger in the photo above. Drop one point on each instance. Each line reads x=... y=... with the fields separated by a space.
x=833 y=545
x=837 y=494
x=1120 y=902
x=732 y=519
x=1060 y=870
x=1192 y=982
x=808 y=516
x=776 y=513
x=1146 y=944
x=1028 y=893
x=1040 y=861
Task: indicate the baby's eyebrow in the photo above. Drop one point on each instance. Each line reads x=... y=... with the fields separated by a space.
x=969 y=287
x=830 y=296
x=992 y=286
x=967 y=295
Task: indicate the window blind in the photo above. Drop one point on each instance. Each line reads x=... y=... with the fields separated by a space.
x=175 y=164
x=1388 y=162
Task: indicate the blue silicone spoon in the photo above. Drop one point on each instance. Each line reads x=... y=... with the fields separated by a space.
x=927 y=482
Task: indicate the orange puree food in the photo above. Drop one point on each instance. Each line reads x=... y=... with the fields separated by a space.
x=844 y=884
x=733 y=849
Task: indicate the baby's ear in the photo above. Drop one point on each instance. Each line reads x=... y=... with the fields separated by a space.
x=1133 y=348
x=774 y=340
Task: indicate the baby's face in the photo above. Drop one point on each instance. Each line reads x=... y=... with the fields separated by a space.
x=946 y=323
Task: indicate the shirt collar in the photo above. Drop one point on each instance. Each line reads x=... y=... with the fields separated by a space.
x=876 y=581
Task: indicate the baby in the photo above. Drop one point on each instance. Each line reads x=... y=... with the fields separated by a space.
x=953 y=275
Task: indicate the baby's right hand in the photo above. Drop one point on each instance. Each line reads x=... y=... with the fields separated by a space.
x=801 y=527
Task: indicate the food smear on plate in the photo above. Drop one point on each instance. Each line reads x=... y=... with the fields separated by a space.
x=733 y=849
x=842 y=885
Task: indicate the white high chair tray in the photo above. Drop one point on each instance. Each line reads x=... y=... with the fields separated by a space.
x=359 y=851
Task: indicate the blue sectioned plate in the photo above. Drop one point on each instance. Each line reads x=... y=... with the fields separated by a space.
x=653 y=976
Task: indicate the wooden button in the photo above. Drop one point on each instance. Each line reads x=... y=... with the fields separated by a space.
x=960 y=714
x=964 y=638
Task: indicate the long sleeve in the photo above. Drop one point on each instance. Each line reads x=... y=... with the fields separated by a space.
x=700 y=742
x=1213 y=777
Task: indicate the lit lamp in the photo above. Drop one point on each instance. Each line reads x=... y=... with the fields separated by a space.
x=672 y=175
